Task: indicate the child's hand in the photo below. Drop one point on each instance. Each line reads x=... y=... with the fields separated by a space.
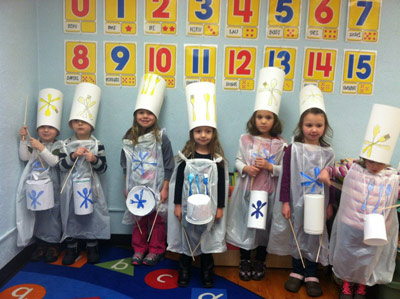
x=23 y=132
x=220 y=213
x=164 y=191
x=324 y=177
x=251 y=170
x=90 y=157
x=286 y=210
x=124 y=192
x=329 y=211
x=36 y=144
x=80 y=151
x=178 y=212
x=263 y=164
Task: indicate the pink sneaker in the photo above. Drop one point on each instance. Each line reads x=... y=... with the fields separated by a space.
x=137 y=258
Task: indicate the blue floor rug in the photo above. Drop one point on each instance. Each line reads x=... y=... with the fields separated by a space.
x=113 y=277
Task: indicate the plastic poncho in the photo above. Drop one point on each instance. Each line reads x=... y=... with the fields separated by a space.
x=305 y=163
x=363 y=193
x=46 y=224
x=211 y=236
x=144 y=167
x=97 y=224
x=250 y=147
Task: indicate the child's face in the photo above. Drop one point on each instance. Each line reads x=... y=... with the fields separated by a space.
x=47 y=133
x=82 y=129
x=145 y=118
x=313 y=128
x=374 y=167
x=264 y=122
x=203 y=135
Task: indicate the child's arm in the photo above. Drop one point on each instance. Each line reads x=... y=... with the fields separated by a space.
x=51 y=158
x=285 y=183
x=221 y=191
x=178 y=190
x=99 y=162
x=168 y=161
x=67 y=160
x=164 y=191
x=242 y=167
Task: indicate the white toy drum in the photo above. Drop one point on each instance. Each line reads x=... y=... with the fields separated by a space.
x=258 y=206
x=39 y=195
x=141 y=201
x=199 y=209
x=314 y=211
x=83 y=196
x=375 y=230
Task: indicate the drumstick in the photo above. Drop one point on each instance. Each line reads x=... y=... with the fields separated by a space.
x=137 y=224
x=389 y=207
x=336 y=185
x=94 y=179
x=197 y=246
x=320 y=244
x=298 y=247
x=26 y=109
x=187 y=240
x=154 y=221
x=252 y=178
x=69 y=174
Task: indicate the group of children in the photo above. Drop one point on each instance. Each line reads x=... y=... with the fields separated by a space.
x=274 y=180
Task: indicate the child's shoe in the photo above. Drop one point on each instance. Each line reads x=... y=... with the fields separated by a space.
x=93 y=255
x=38 y=253
x=346 y=291
x=52 y=254
x=137 y=258
x=245 y=270
x=71 y=254
x=313 y=287
x=152 y=259
x=184 y=271
x=361 y=291
x=258 y=270
x=294 y=282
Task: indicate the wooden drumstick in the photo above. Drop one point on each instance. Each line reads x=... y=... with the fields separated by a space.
x=69 y=174
x=298 y=247
x=154 y=221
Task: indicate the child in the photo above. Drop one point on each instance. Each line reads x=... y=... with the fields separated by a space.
x=258 y=162
x=201 y=171
x=147 y=160
x=302 y=163
x=40 y=180
x=84 y=210
x=368 y=186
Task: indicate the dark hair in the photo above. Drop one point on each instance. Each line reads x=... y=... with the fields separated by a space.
x=134 y=132
x=328 y=132
x=275 y=131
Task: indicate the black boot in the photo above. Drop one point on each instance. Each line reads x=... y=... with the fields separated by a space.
x=185 y=262
x=207 y=273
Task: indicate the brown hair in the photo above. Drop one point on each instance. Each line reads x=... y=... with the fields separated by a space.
x=137 y=130
x=275 y=131
x=328 y=132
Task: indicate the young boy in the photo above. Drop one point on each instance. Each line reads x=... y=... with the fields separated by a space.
x=82 y=157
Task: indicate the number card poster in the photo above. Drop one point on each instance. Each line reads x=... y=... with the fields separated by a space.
x=160 y=17
x=80 y=62
x=320 y=68
x=161 y=59
x=285 y=58
x=240 y=68
x=120 y=17
x=363 y=19
x=80 y=16
x=323 y=19
x=200 y=63
x=203 y=18
x=120 y=64
x=358 y=72
x=242 y=19
x=283 y=20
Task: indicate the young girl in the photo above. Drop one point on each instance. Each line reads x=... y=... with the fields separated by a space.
x=258 y=162
x=302 y=163
x=201 y=170
x=147 y=160
x=41 y=171
x=369 y=185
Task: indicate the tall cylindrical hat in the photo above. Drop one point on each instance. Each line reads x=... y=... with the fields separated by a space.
x=201 y=105
x=151 y=93
x=311 y=97
x=381 y=135
x=49 y=110
x=86 y=102
x=269 y=89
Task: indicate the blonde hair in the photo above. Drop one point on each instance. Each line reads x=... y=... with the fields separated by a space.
x=137 y=130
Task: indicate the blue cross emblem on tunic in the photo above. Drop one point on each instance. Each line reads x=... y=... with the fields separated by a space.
x=312 y=181
x=139 y=162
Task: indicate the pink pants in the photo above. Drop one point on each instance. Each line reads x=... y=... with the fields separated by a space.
x=156 y=244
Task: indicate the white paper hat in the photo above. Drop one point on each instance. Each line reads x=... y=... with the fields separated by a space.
x=382 y=132
x=86 y=102
x=311 y=97
x=49 y=110
x=201 y=104
x=151 y=93
x=269 y=89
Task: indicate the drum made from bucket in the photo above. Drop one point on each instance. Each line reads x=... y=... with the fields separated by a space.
x=314 y=213
x=39 y=195
x=199 y=210
x=141 y=201
x=375 y=230
x=258 y=207
x=83 y=196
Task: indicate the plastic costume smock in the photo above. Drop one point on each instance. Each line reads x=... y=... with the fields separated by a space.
x=95 y=225
x=144 y=167
x=251 y=147
x=306 y=162
x=211 y=236
x=45 y=224
x=363 y=193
